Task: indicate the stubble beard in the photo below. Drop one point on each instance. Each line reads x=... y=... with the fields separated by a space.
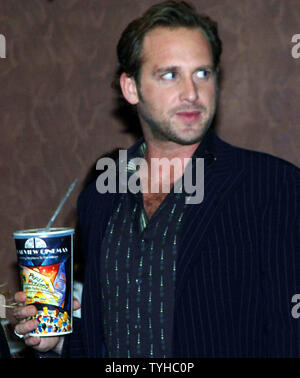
x=161 y=130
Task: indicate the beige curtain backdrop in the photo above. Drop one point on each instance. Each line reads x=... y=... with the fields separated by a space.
x=58 y=113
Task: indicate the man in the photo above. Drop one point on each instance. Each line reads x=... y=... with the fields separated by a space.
x=169 y=278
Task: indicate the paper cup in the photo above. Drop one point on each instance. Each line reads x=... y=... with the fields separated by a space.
x=45 y=258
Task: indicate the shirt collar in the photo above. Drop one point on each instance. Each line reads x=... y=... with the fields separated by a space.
x=205 y=150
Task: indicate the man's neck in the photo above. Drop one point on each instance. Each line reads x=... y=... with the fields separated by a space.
x=168 y=150
x=166 y=162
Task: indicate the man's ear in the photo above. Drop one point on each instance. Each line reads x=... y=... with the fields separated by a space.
x=129 y=89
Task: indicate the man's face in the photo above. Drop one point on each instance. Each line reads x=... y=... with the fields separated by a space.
x=176 y=95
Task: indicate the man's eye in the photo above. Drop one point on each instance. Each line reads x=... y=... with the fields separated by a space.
x=169 y=76
x=203 y=74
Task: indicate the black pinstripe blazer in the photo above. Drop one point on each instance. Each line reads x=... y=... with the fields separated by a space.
x=238 y=262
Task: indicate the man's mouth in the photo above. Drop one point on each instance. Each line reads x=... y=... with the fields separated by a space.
x=189 y=116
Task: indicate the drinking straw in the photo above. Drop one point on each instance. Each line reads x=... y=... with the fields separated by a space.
x=62 y=202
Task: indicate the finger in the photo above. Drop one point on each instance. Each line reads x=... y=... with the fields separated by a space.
x=76 y=304
x=26 y=327
x=24 y=312
x=32 y=341
x=20 y=297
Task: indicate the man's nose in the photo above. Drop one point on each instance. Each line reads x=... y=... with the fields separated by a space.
x=189 y=90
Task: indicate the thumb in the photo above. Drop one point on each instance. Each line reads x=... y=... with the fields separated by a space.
x=76 y=304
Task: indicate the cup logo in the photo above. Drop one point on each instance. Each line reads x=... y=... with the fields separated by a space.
x=35 y=243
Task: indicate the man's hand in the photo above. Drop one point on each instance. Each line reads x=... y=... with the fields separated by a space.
x=24 y=327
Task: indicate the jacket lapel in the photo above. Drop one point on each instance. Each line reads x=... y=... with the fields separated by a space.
x=220 y=179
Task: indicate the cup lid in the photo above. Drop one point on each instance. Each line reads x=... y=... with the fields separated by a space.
x=43 y=232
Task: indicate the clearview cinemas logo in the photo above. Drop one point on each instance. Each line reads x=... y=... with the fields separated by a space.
x=38 y=246
x=35 y=243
